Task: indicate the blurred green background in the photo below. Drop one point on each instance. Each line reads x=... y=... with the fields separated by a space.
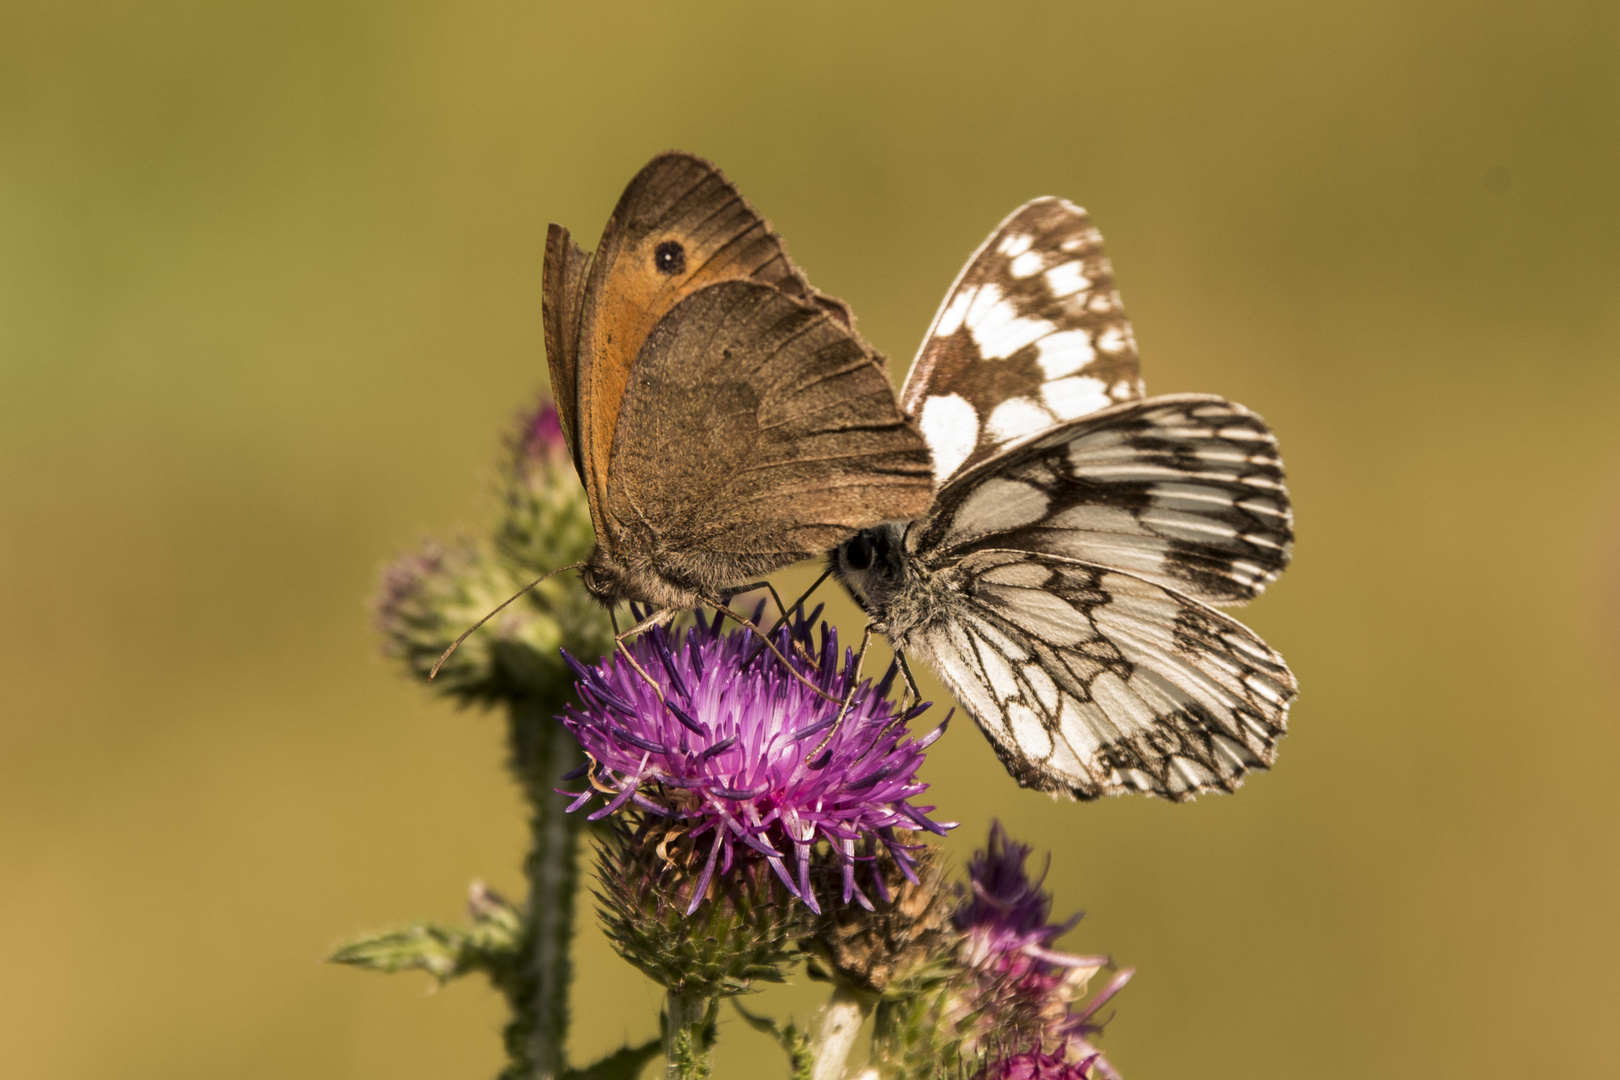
x=269 y=290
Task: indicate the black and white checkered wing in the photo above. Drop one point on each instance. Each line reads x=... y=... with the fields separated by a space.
x=1061 y=582
x=1092 y=682
x=1031 y=335
x=1186 y=491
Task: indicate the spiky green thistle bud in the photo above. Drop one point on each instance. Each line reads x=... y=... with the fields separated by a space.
x=431 y=596
x=743 y=931
x=546 y=520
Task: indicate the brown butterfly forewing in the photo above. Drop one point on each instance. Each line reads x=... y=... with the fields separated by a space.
x=725 y=418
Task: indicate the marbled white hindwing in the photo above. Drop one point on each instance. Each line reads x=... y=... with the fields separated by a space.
x=1186 y=491
x=1031 y=334
x=1093 y=682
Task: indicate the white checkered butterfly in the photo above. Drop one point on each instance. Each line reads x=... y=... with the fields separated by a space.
x=1061 y=582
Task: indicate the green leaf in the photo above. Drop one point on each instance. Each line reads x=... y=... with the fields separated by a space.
x=795 y=1042
x=422 y=947
x=491 y=943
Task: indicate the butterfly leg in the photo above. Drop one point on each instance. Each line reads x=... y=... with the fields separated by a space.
x=780 y=618
x=655 y=619
x=911 y=683
x=814 y=585
x=786 y=611
x=766 y=585
x=771 y=645
x=854 y=685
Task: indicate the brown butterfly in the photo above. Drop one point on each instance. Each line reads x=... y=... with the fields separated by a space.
x=724 y=416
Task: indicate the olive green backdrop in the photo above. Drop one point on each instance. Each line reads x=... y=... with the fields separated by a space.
x=269 y=289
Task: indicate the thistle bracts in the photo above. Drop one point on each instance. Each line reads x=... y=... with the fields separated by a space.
x=897 y=948
x=743 y=933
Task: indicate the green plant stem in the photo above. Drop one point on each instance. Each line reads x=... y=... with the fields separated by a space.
x=836 y=1028
x=689 y=1021
x=542 y=751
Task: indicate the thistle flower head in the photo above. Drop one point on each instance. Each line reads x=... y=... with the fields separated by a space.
x=1004 y=913
x=746 y=762
x=428 y=597
x=1038 y=1066
x=1019 y=988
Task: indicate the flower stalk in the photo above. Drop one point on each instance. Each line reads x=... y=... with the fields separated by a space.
x=541 y=751
x=689 y=1026
x=836 y=1028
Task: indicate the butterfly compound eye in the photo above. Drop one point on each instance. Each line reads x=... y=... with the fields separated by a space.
x=858 y=553
x=669 y=257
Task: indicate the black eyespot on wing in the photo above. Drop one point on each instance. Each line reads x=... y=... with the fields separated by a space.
x=858 y=553
x=669 y=257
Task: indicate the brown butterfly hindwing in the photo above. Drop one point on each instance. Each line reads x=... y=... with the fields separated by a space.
x=756 y=433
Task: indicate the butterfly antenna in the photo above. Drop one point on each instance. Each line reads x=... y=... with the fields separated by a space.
x=454 y=645
x=771 y=645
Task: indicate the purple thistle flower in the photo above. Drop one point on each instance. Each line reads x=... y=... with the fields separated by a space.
x=1037 y=1066
x=1004 y=912
x=543 y=434
x=732 y=752
x=1023 y=985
